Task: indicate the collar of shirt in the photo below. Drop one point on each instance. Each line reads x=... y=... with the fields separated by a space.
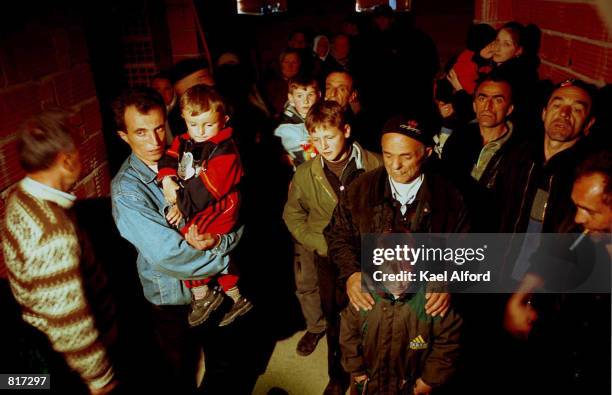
x=406 y=193
x=355 y=154
x=45 y=192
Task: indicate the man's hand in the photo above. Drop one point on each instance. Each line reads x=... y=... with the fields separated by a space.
x=519 y=316
x=421 y=387
x=437 y=303
x=170 y=187
x=199 y=241
x=107 y=389
x=174 y=216
x=359 y=299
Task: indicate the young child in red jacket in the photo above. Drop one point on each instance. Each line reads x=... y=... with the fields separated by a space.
x=200 y=173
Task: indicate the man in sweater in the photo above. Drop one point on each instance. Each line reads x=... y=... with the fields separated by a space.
x=42 y=251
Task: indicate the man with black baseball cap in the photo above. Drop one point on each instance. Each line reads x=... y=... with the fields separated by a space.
x=405 y=195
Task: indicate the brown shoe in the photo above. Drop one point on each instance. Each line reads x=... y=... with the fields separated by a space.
x=308 y=343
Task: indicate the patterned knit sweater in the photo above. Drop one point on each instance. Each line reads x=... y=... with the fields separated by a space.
x=43 y=258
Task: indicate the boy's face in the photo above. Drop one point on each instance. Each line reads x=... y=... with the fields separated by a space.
x=331 y=142
x=302 y=98
x=205 y=126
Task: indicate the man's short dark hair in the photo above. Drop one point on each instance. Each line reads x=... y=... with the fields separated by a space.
x=493 y=77
x=599 y=162
x=143 y=98
x=43 y=137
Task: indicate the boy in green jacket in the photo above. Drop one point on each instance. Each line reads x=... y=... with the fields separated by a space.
x=313 y=195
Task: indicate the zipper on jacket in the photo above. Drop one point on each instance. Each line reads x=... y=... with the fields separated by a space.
x=334 y=198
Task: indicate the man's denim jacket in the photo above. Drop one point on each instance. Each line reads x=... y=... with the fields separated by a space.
x=164 y=257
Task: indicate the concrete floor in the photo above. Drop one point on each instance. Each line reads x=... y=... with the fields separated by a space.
x=292 y=373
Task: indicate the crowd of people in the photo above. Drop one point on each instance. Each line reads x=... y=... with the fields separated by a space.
x=370 y=138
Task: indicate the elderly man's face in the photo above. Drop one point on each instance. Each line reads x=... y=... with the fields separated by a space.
x=403 y=156
x=339 y=88
x=592 y=210
x=145 y=133
x=492 y=103
x=566 y=116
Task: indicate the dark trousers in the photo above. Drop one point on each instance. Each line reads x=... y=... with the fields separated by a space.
x=333 y=300
x=179 y=347
x=227 y=352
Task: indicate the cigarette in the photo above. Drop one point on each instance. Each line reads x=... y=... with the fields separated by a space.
x=579 y=239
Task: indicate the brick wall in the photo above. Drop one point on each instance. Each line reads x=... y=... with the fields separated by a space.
x=183 y=29
x=575 y=39
x=46 y=64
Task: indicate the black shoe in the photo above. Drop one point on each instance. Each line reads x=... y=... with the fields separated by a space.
x=202 y=309
x=240 y=307
x=308 y=343
x=335 y=387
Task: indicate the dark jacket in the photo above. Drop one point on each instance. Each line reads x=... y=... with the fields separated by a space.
x=459 y=156
x=368 y=207
x=396 y=343
x=517 y=184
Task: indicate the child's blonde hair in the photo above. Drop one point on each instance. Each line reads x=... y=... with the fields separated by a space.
x=200 y=99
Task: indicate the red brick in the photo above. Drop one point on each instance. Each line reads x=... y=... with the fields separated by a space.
x=91 y=117
x=478 y=9
x=79 y=52
x=2 y=78
x=62 y=48
x=180 y=18
x=47 y=93
x=28 y=55
x=589 y=59
x=504 y=10
x=555 y=49
x=184 y=42
x=93 y=152
x=584 y=20
x=10 y=170
x=16 y=105
x=74 y=86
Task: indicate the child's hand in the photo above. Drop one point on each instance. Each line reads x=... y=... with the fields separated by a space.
x=421 y=387
x=488 y=51
x=454 y=80
x=170 y=187
x=174 y=216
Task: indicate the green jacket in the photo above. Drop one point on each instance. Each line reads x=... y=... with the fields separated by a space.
x=396 y=343
x=312 y=200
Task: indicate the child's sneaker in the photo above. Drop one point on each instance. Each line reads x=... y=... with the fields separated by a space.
x=201 y=309
x=240 y=307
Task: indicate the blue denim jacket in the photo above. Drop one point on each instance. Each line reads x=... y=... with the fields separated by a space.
x=164 y=257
